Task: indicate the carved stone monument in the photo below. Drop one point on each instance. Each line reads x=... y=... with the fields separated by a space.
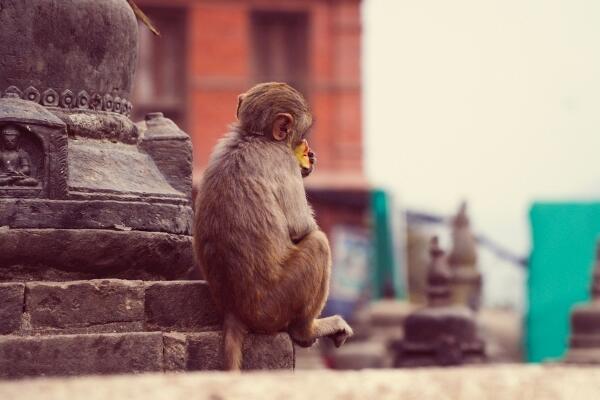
x=584 y=346
x=84 y=192
x=466 y=279
x=439 y=334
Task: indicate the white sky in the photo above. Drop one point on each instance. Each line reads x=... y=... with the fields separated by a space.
x=495 y=101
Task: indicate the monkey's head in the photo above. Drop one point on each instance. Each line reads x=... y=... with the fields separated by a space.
x=278 y=112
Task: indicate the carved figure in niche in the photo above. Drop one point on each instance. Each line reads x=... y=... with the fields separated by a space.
x=15 y=163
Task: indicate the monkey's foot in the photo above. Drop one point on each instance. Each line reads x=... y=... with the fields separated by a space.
x=342 y=333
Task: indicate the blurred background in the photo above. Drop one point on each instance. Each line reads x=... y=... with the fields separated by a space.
x=419 y=107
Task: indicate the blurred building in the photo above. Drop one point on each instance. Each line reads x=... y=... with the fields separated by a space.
x=210 y=51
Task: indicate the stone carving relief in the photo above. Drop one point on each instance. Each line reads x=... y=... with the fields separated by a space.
x=16 y=166
x=67 y=99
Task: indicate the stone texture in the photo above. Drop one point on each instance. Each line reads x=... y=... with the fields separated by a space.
x=11 y=307
x=204 y=351
x=104 y=253
x=175 y=351
x=505 y=382
x=85 y=304
x=80 y=354
x=99 y=37
x=171 y=150
x=180 y=306
x=102 y=353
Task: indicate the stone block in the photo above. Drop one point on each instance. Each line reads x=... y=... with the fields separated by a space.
x=101 y=252
x=11 y=307
x=204 y=352
x=80 y=354
x=85 y=305
x=175 y=351
x=180 y=306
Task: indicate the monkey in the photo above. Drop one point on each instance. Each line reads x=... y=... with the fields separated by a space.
x=266 y=261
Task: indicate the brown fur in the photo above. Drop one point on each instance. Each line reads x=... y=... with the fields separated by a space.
x=256 y=240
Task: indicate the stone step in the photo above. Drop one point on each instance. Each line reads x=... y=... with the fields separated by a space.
x=105 y=305
x=133 y=352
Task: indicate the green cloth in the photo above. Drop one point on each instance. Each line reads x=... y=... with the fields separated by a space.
x=564 y=240
x=386 y=274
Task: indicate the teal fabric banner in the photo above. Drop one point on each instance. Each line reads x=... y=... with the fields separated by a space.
x=560 y=271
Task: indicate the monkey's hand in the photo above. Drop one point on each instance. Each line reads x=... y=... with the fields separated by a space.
x=306 y=158
x=312 y=160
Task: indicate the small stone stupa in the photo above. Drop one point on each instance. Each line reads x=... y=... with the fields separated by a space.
x=466 y=279
x=584 y=346
x=84 y=192
x=440 y=334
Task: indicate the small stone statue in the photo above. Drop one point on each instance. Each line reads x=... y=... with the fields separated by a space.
x=584 y=346
x=15 y=164
x=441 y=333
x=466 y=279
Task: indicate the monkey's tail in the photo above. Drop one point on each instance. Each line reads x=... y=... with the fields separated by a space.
x=234 y=332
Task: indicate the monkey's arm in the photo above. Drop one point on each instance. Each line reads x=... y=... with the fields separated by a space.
x=298 y=213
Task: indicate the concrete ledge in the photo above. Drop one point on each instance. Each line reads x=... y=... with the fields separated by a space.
x=504 y=382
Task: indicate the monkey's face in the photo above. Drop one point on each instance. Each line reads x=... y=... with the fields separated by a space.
x=306 y=157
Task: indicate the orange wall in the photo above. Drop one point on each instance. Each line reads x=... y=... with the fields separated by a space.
x=220 y=67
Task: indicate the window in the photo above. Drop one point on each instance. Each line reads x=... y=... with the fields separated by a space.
x=280 y=47
x=160 y=78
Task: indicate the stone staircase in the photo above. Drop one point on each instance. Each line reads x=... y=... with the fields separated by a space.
x=108 y=326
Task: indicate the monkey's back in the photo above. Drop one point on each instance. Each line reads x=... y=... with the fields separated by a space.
x=241 y=233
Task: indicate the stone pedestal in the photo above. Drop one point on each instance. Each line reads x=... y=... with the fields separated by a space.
x=584 y=345
x=440 y=333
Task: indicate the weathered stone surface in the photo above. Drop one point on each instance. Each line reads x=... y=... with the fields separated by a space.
x=35 y=213
x=175 y=351
x=259 y=351
x=27 y=273
x=171 y=150
x=11 y=306
x=109 y=305
x=85 y=304
x=99 y=38
x=268 y=352
x=104 y=253
x=82 y=199
x=102 y=353
x=504 y=382
x=180 y=306
x=106 y=170
x=107 y=353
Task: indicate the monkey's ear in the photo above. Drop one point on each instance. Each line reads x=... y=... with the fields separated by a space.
x=240 y=99
x=282 y=125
